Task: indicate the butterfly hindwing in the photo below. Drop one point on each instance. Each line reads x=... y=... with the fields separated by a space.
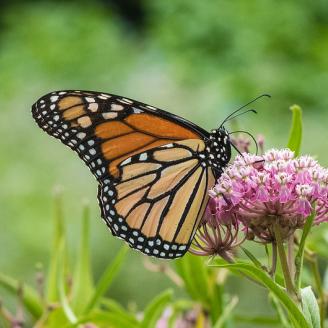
x=159 y=199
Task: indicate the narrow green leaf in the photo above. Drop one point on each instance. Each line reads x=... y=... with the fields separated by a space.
x=106 y=279
x=295 y=135
x=226 y=313
x=310 y=307
x=252 y=257
x=155 y=309
x=300 y=253
x=53 y=319
x=59 y=235
x=192 y=270
x=257 y=274
x=280 y=311
x=217 y=300
x=83 y=287
x=106 y=319
x=112 y=305
x=31 y=299
x=61 y=285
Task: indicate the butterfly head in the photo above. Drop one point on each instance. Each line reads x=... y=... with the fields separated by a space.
x=219 y=148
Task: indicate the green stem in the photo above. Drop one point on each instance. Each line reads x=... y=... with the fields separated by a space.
x=300 y=254
x=291 y=262
x=283 y=261
x=274 y=260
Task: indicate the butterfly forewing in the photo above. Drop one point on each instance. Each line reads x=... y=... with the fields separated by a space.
x=153 y=182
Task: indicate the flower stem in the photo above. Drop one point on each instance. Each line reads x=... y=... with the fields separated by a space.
x=291 y=262
x=300 y=253
x=283 y=261
x=274 y=260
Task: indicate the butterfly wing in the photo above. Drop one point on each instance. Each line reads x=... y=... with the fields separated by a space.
x=108 y=131
x=159 y=199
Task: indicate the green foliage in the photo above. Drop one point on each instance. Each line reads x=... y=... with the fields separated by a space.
x=106 y=279
x=155 y=309
x=227 y=313
x=257 y=274
x=83 y=287
x=200 y=283
x=295 y=135
x=310 y=307
x=300 y=253
x=31 y=299
x=80 y=300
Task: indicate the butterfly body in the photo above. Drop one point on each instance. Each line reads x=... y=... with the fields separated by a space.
x=153 y=168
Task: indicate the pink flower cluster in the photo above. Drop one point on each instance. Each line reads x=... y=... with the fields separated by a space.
x=255 y=190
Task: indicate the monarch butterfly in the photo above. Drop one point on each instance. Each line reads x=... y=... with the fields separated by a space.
x=153 y=168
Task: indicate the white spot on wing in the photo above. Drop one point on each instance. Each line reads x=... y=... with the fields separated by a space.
x=81 y=135
x=117 y=107
x=93 y=107
x=137 y=110
x=127 y=161
x=109 y=115
x=143 y=157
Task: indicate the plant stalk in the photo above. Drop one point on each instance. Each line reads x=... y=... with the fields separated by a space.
x=274 y=260
x=290 y=258
x=283 y=261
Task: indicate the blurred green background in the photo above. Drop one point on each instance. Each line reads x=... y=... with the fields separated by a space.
x=198 y=59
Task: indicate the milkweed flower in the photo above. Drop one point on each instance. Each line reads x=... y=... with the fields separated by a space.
x=277 y=187
x=214 y=237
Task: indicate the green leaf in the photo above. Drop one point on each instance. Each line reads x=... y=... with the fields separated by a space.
x=112 y=306
x=217 y=299
x=106 y=279
x=155 y=309
x=300 y=253
x=116 y=308
x=83 y=287
x=61 y=285
x=53 y=319
x=31 y=299
x=226 y=313
x=194 y=273
x=257 y=274
x=106 y=319
x=280 y=311
x=310 y=307
x=295 y=134
x=256 y=262
x=59 y=235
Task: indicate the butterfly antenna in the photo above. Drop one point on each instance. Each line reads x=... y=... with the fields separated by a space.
x=239 y=114
x=236 y=149
x=242 y=107
x=250 y=135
